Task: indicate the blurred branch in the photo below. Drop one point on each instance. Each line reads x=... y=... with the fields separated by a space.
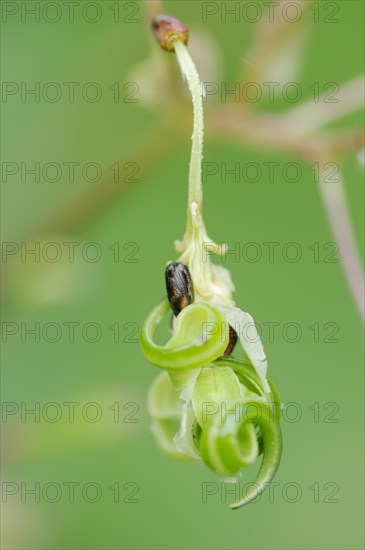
x=271 y=34
x=310 y=116
x=335 y=203
x=272 y=132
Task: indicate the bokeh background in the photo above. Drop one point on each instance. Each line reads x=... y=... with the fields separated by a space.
x=127 y=494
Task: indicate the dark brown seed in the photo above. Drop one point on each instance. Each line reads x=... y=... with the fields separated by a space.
x=179 y=286
x=233 y=337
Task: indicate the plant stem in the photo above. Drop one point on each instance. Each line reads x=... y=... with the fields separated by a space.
x=195 y=188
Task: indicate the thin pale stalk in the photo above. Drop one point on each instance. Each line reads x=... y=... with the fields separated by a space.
x=189 y=71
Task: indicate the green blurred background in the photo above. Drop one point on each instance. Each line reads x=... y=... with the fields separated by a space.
x=324 y=459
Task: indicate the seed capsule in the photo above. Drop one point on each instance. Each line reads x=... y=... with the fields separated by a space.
x=179 y=286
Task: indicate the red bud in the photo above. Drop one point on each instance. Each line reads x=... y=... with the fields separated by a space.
x=168 y=30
